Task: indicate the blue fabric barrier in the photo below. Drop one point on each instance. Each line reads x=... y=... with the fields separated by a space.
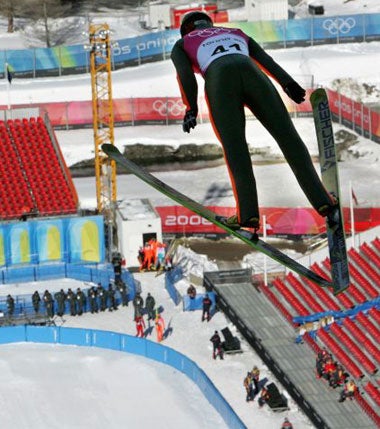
x=196 y=303
x=127 y=343
x=352 y=312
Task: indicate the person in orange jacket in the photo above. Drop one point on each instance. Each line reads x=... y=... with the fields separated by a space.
x=148 y=256
x=160 y=327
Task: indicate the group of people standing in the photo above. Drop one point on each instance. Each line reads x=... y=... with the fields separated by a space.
x=77 y=302
x=152 y=312
x=152 y=256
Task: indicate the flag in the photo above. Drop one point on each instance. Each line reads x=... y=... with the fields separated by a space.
x=354 y=198
x=8 y=73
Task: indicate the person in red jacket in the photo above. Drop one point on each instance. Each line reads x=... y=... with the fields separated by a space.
x=140 y=326
x=235 y=69
x=286 y=424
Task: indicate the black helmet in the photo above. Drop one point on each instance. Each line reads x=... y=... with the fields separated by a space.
x=190 y=21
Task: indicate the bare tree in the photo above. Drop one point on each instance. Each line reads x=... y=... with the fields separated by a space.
x=8 y=10
x=46 y=10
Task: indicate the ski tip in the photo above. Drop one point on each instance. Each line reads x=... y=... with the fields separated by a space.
x=317 y=93
x=109 y=148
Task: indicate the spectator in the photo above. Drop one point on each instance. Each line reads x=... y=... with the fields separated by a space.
x=141 y=258
x=81 y=301
x=102 y=294
x=140 y=326
x=71 y=299
x=248 y=385
x=48 y=301
x=150 y=303
x=111 y=298
x=36 y=299
x=286 y=424
x=255 y=373
x=217 y=349
x=191 y=292
x=328 y=369
x=161 y=256
x=160 y=327
x=123 y=291
x=338 y=377
x=349 y=391
x=10 y=305
x=264 y=397
x=206 y=306
x=92 y=297
x=138 y=304
x=117 y=262
x=60 y=298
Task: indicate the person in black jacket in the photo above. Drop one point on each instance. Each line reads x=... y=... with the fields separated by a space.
x=206 y=307
x=36 y=299
x=217 y=349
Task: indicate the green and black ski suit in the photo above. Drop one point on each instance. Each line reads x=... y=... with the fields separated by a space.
x=235 y=70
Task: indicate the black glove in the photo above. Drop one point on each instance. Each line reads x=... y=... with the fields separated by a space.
x=189 y=121
x=295 y=92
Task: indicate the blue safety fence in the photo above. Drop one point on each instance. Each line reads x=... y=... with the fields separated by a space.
x=171 y=277
x=129 y=344
x=103 y=275
x=156 y=46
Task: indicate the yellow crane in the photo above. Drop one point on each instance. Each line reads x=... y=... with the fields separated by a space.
x=103 y=121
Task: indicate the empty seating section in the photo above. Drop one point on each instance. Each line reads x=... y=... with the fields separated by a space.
x=304 y=293
x=353 y=348
x=370 y=253
x=36 y=157
x=323 y=295
x=365 y=266
x=373 y=392
x=369 y=326
x=340 y=354
x=291 y=298
x=15 y=200
x=362 y=338
x=376 y=244
x=363 y=282
x=375 y=313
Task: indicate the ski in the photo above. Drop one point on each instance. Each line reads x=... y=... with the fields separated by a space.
x=246 y=236
x=330 y=178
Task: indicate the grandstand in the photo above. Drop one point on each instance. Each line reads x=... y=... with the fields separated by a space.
x=348 y=324
x=35 y=180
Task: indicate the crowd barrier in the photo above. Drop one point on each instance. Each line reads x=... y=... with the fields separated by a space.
x=95 y=275
x=126 y=343
x=156 y=46
x=171 y=277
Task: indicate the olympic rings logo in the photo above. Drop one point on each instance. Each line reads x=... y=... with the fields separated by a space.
x=208 y=32
x=339 y=25
x=174 y=108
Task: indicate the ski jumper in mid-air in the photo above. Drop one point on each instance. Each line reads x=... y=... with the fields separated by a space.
x=235 y=68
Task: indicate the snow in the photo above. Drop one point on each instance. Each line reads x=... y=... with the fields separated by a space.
x=55 y=386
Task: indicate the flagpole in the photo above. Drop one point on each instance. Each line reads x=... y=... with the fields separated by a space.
x=265 y=257
x=352 y=220
x=8 y=85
